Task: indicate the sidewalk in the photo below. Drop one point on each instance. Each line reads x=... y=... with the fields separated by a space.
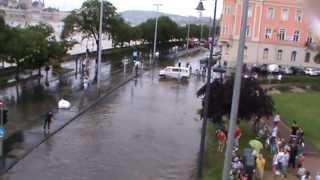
x=28 y=102
x=312 y=155
x=22 y=142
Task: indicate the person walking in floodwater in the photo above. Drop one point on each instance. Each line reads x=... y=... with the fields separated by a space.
x=47 y=121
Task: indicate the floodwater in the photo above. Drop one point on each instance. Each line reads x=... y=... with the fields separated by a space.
x=147 y=130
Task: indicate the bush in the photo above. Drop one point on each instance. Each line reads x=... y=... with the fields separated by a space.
x=283 y=88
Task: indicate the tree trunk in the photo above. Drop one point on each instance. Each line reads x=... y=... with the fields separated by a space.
x=39 y=71
x=77 y=66
x=96 y=68
x=17 y=71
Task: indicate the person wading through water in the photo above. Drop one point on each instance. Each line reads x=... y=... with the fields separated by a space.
x=47 y=121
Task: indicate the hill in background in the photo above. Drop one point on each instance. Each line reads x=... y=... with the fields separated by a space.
x=137 y=17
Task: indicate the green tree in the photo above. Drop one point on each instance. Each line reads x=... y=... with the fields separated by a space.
x=18 y=47
x=39 y=56
x=86 y=21
x=253 y=99
x=121 y=32
x=2 y=21
x=167 y=29
x=30 y=47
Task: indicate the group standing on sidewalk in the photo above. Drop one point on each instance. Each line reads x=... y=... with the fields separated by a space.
x=287 y=154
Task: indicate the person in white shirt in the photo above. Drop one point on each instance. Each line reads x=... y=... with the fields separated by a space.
x=284 y=163
x=276 y=119
x=307 y=176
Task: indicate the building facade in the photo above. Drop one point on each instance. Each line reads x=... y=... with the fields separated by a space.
x=278 y=32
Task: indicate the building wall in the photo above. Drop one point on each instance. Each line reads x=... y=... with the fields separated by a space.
x=258 y=22
x=254 y=54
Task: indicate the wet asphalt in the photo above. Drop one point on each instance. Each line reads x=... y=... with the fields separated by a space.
x=148 y=129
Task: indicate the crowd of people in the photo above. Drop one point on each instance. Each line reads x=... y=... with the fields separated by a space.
x=287 y=153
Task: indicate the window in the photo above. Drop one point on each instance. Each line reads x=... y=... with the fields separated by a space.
x=225 y=29
x=248 y=31
x=265 y=53
x=268 y=34
x=293 y=56
x=282 y=34
x=250 y=11
x=227 y=10
x=299 y=15
x=296 y=36
x=285 y=14
x=228 y=49
x=246 y=51
x=309 y=39
x=307 y=59
x=279 y=54
x=270 y=14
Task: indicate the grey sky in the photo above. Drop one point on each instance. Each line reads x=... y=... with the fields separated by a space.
x=181 y=7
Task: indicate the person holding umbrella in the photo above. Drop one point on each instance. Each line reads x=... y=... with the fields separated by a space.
x=256 y=145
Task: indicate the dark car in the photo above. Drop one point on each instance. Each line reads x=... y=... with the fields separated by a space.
x=297 y=70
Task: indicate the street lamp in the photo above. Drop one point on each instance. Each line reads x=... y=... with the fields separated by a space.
x=188 y=34
x=206 y=100
x=236 y=93
x=200 y=8
x=156 y=30
x=100 y=46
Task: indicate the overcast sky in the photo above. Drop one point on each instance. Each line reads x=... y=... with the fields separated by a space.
x=180 y=7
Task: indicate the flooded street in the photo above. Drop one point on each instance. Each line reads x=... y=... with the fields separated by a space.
x=148 y=129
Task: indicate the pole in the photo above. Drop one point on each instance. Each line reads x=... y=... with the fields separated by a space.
x=188 y=35
x=236 y=93
x=100 y=47
x=201 y=26
x=206 y=106
x=156 y=32
x=1 y=124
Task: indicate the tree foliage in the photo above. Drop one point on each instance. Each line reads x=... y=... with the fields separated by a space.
x=30 y=47
x=86 y=20
x=253 y=99
x=167 y=29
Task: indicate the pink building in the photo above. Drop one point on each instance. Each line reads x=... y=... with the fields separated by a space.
x=277 y=32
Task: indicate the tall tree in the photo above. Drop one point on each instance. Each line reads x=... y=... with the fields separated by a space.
x=121 y=32
x=41 y=34
x=86 y=21
x=167 y=29
x=253 y=99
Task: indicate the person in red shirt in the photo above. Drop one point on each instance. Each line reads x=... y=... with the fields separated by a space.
x=222 y=138
x=238 y=134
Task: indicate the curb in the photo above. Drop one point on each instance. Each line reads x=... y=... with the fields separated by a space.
x=87 y=108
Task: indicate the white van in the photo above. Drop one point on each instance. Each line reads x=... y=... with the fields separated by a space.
x=175 y=72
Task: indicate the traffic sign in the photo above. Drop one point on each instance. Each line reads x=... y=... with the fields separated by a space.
x=2 y=132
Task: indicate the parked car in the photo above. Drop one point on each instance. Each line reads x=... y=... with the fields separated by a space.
x=312 y=71
x=273 y=68
x=182 y=73
x=260 y=69
x=287 y=70
x=298 y=70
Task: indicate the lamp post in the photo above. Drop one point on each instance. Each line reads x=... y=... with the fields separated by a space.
x=200 y=8
x=236 y=93
x=206 y=101
x=100 y=46
x=156 y=31
x=188 y=35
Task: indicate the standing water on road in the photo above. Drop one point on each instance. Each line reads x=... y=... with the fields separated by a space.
x=148 y=129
